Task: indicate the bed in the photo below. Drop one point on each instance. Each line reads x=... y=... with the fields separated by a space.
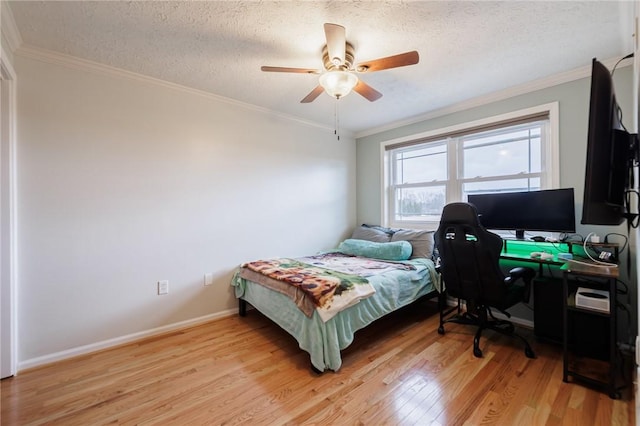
x=393 y=283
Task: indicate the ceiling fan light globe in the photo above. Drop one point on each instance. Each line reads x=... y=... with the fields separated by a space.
x=338 y=83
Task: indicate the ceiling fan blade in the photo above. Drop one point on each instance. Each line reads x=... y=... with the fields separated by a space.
x=367 y=91
x=336 y=42
x=313 y=95
x=395 y=61
x=285 y=69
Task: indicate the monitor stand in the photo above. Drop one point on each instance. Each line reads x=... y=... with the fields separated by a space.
x=519 y=234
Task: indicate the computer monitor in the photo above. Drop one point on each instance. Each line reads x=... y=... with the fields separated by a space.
x=551 y=210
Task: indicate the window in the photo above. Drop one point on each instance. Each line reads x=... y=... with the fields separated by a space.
x=502 y=154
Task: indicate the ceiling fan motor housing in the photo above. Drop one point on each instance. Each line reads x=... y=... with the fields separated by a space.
x=349 y=57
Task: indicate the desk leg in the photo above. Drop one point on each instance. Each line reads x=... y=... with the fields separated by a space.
x=613 y=341
x=565 y=329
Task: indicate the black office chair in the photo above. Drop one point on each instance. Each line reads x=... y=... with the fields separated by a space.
x=469 y=258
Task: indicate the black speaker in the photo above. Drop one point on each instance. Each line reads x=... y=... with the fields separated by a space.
x=547 y=309
x=589 y=335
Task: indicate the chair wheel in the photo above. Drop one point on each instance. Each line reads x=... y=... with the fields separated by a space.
x=477 y=352
x=529 y=352
x=441 y=330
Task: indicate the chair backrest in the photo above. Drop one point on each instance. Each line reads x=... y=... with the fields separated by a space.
x=469 y=255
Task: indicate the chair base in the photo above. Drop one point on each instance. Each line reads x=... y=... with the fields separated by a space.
x=480 y=318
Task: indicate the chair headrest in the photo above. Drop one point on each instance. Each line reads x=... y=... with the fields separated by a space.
x=454 y=213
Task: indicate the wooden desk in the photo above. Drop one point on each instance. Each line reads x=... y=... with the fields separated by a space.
x=510 y=252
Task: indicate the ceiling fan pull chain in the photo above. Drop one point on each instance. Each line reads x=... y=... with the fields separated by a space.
x=336 y=119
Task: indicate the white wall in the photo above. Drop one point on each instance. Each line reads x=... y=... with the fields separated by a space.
x=123 y=182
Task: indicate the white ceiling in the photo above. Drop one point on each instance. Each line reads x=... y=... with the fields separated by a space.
x=467 y=49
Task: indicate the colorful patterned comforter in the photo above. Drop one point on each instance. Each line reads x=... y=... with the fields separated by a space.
x=328 y=282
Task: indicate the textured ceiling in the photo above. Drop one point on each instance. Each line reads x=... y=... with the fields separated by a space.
x=467 y=49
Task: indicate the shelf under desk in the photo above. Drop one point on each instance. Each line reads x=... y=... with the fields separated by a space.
x=606 y=276
x=590 y=269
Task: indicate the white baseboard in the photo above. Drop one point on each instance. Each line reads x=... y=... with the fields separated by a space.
x=105 y=344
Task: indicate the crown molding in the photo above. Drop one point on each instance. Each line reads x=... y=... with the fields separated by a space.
x=87 y=65
x=73 y=62
x=10 y=30
x=522 y=89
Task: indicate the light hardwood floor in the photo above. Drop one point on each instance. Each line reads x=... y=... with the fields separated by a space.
x=247 y=370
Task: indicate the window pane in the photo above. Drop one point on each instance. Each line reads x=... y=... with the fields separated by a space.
x=502 y=152
x=510 y=185
x=423 y=204
x=500 y=159
x=425 y=164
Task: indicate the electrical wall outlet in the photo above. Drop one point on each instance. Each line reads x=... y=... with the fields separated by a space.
x=208 y=279
x=163 y=287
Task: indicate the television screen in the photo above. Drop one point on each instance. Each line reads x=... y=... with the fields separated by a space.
x=551 y=210
x=609 y=154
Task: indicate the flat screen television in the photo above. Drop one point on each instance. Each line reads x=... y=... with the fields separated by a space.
x=550 y=210
x=610 y=155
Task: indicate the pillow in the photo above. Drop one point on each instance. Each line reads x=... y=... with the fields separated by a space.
x=389 y=231
x=399 y=250
x=421 y=241
x=371 y=233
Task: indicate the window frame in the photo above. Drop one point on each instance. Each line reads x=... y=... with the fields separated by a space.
x=550 y=156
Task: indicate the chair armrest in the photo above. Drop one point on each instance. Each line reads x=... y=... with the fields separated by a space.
x=524 y=273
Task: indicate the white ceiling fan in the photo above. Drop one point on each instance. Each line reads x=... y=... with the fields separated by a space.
x=340 y=75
